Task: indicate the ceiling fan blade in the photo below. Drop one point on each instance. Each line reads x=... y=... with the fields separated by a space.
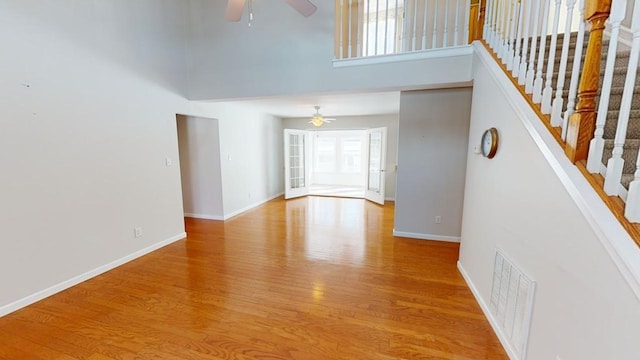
x=329 y=119
x=234 y=10
x=304 y=7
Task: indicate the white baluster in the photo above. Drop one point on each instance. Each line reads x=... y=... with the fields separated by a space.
x=434 y=40
x=377 y=24
x=537 y=84
x=424 y=25
x=596 y=146
x=466 y=19
x=455 y=26
x=445 y=35
x=547 y=92
x=351 y=24
x=494 y=24
x=404 y=33
x=528 y=83
x=386 y=24
x=486 y=29
x=503 y=20
x=615 y=164
x=522 y=67
x=502 y=23
x=515 y=62
x=575 y=72
x=513 y=21
x=497 y=4
x=366 y=43
x=395 y=28
x=558 y=102
x=414 y=26
x=632 y=210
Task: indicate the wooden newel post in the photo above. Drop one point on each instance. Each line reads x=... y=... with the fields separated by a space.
x=480 y=23
x=476 y=19
x=583 y=122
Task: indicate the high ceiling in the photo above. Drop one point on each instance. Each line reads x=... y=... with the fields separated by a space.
x=331 y=105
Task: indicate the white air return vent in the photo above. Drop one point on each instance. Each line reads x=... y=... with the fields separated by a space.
x=511 y=303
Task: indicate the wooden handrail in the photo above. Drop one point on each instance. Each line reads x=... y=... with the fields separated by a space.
x=582 y=123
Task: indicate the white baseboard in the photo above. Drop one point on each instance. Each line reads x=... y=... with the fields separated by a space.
x=247 y=208
x=487 y=313
x=203 y=216
x=30 y=299
x=426 y=236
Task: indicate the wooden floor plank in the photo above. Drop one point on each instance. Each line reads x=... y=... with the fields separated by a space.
x=310 y=278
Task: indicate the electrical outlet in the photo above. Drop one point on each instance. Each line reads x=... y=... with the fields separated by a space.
x=168 y=161
x=137 y=232
x=438 y=219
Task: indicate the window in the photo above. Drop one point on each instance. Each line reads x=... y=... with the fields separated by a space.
x=325 y=154
x=351 y=155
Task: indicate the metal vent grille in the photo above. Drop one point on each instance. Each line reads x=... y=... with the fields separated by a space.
x=512 y=302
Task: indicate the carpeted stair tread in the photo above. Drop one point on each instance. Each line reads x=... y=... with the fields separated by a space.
x=626 y=180
x=629 y=154
x=615 y=98
x=619 y=77
x=633 y=127
x=622 y=60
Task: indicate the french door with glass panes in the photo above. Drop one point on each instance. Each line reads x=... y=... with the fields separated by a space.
x=296 y=163
x=377 y=150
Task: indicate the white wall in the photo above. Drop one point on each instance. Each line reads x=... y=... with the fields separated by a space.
x=88 y=97
x=583 y=309
x=432 y=142
x=390 y=121
x=200 y=170
x=251 y=154
x=284 y=53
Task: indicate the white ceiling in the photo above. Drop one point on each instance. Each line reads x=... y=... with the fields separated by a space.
x=331 y=105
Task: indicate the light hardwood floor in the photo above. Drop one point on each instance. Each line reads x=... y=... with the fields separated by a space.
x=310 y=278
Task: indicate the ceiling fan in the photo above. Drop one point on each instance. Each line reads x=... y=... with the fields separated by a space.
x=318 y=120
x=236 y=7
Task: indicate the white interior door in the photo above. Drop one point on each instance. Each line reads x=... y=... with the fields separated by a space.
x=377 y=143
x=296 y=163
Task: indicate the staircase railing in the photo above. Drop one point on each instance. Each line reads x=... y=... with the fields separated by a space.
x=541 y=45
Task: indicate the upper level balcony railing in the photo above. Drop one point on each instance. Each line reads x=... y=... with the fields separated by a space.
x=383 y=27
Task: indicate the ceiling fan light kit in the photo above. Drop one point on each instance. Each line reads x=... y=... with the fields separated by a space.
x=318 y=120
x=235 y=8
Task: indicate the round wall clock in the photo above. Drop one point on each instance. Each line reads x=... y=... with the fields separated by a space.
x=489 y=143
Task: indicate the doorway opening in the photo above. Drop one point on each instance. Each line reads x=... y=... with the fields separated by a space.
x=199 y=154
x=344 y=163
x=337 y=163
